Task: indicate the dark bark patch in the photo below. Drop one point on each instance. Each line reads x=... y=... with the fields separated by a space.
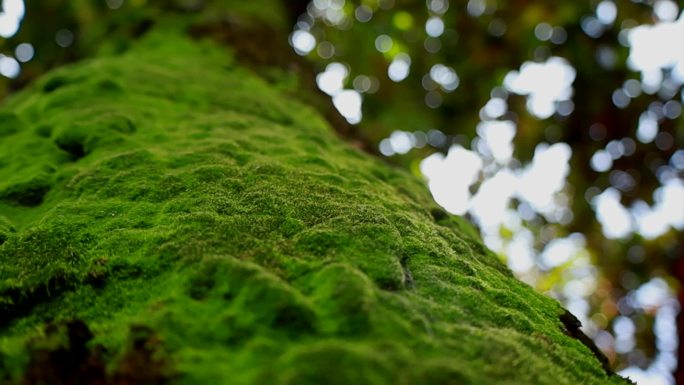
x=62 y=357
x=572 y=328
x=144 y=362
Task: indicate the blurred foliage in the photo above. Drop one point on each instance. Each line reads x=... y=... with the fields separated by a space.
x=481 y=41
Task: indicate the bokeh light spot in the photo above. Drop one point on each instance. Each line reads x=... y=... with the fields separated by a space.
x=664 y=141
x=445 y=76
x=601 y=161
x=544 y=84
x=543 y=31
x=597 y=131
x=331 y=81
x=399 y=68
x=677 y=160
x=632 y=88
x=24 y=52
x=647 y=128
x=325 y=50
x=476 y=8
x=438 y=6
x=363 y=13
x=348 y=103
x=64 y=38
x=432 y=45
x=559 y=35
x=450 y=177
x=498 y=137
x=494 y=108
x=592 y=26
x=497 y=27
x=10 y=17
x=665 y=10
x=302 y=41
x=606 y=11
x=672 y=109
x=616 y=222
x=620 y=98
x=434 y=26
x=114 y=4
x=383 y=43
x=433 y=99
x=9 y=67
x=403 y=20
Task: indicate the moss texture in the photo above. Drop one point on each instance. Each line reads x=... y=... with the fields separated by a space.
x=167 y=217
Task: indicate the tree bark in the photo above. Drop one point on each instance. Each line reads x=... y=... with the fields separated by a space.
x=678 y=269
x=168 y=216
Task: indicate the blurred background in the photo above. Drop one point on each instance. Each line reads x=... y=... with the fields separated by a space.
x=555 y=127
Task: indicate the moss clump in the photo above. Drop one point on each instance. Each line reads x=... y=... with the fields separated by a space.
x=166 y=216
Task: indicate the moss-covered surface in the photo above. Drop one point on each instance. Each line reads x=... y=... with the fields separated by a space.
x=166 y=216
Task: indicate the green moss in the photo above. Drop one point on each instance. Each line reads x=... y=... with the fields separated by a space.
x=165 y=214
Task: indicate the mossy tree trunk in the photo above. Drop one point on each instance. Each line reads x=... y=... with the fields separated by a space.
x=168 y=216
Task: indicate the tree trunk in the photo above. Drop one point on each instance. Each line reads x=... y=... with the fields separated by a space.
x=167 y=216
x=678 y=270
